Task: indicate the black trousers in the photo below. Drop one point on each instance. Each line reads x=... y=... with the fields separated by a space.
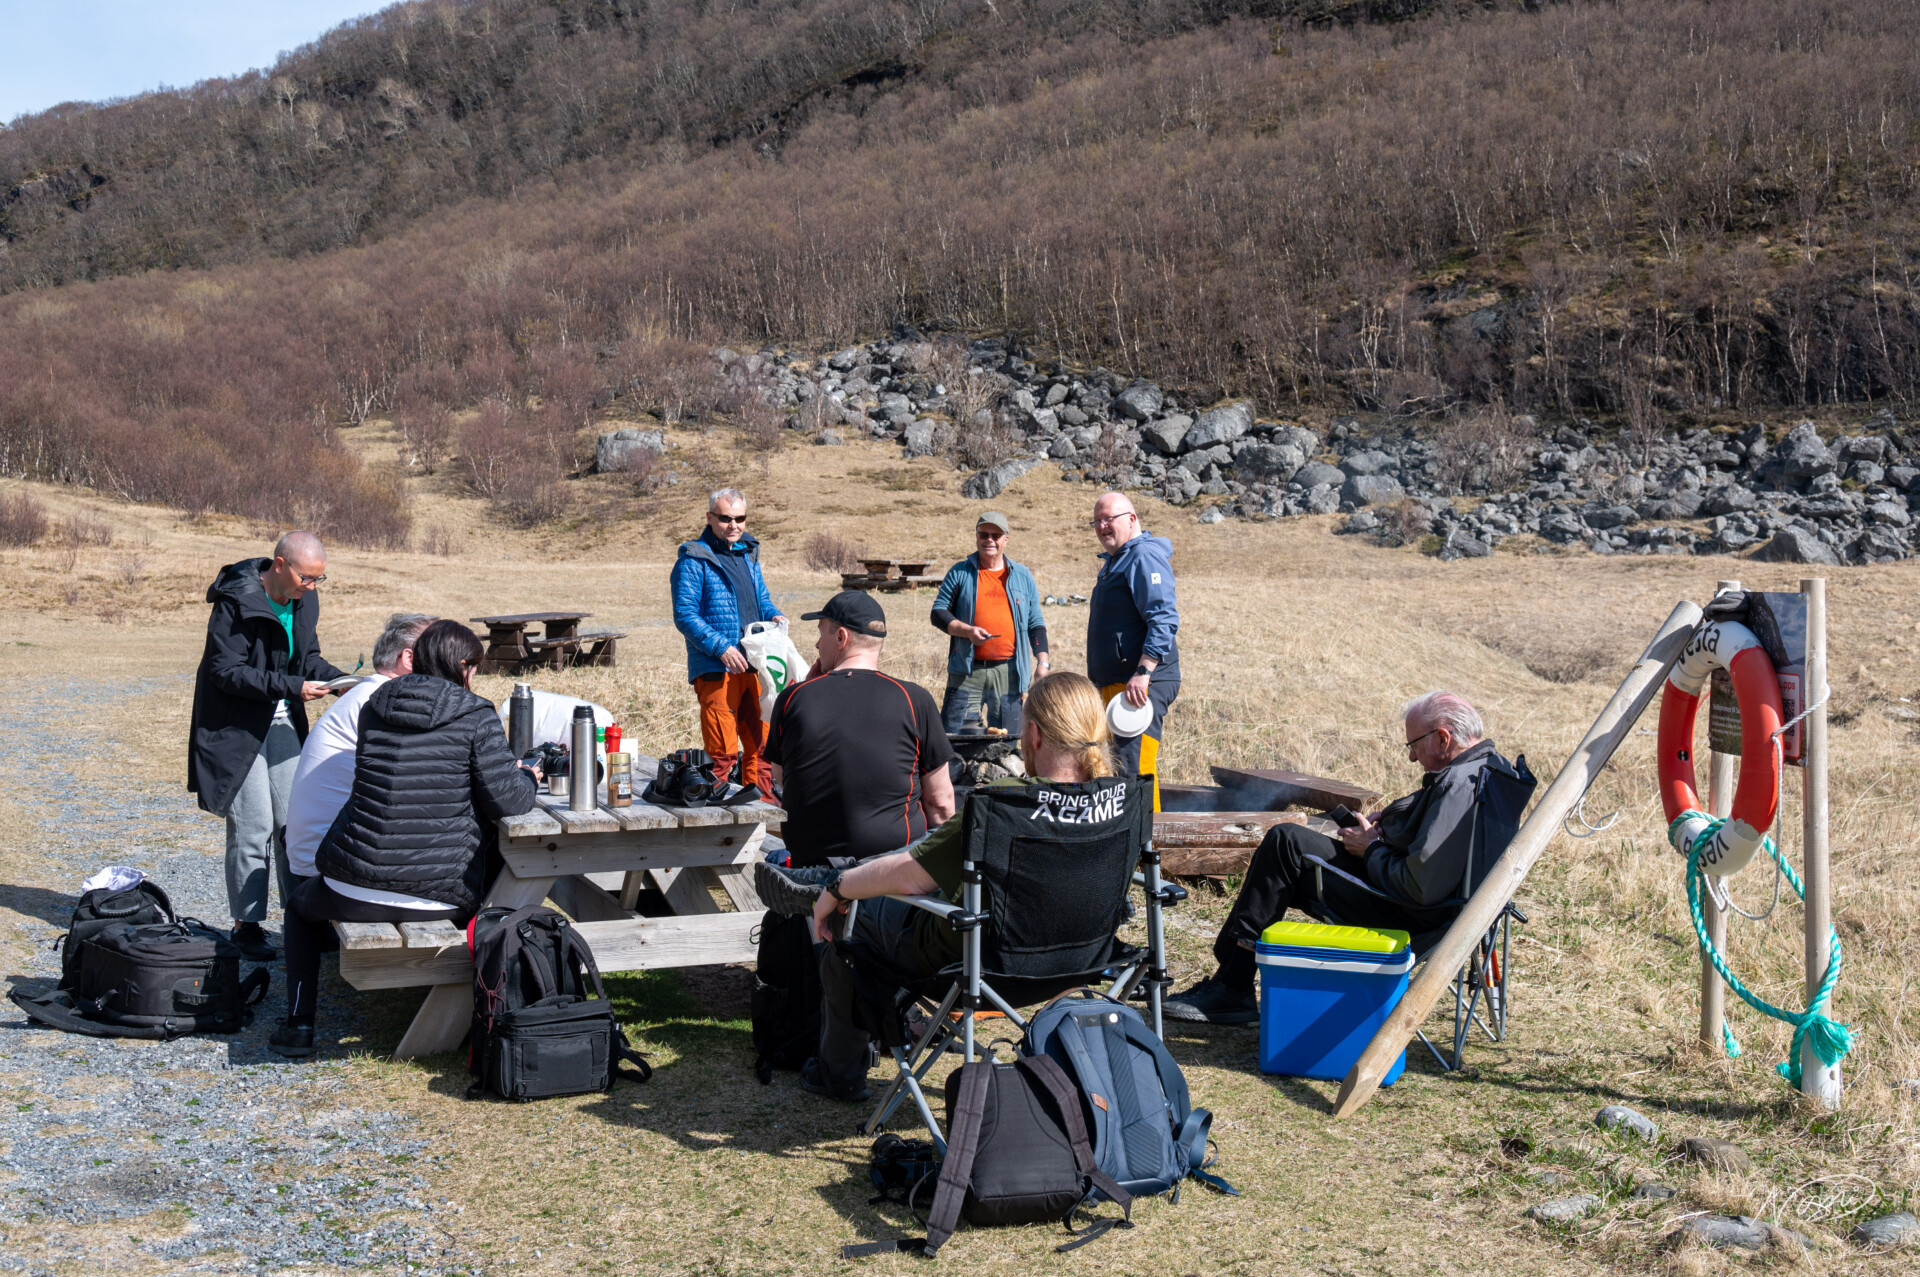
x=1280 y=879
x=884 y=931
x=311 y=912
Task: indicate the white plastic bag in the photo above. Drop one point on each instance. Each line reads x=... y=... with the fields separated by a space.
x=770 y=651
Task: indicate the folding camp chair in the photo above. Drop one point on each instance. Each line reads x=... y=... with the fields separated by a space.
x=1045 y=887
x=1481 y=988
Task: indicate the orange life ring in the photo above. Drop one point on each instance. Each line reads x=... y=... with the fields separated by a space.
x=1730 y=646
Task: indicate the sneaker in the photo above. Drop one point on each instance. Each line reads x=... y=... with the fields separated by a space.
x=789 y=891
x=1212 y=1002
x=253 y=943
x=813 y=1082
x=295 y=1041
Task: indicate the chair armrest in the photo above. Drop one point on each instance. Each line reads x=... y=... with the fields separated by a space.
x=1171 y=893
x=1361 y=883
x=956 y=915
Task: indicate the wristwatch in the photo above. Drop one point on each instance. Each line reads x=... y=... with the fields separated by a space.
x=1141 y=669
x=832 y=884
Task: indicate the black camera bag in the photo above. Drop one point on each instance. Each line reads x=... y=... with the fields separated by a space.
x=786 y=995
x=156 y=980
x=104 y=907
x=542 y=1024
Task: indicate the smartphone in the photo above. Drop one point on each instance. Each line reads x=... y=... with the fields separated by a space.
x=1342 y=817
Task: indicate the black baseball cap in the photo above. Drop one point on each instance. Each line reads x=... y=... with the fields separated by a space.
x=855 y=610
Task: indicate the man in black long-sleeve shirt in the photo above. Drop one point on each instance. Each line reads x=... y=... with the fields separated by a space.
x=1414 y=850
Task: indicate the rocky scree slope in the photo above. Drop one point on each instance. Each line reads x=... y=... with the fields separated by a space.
x=1799 y=497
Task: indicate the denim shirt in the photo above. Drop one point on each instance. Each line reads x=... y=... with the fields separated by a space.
x=1023 y=598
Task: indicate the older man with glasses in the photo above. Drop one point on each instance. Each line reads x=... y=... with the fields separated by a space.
x=1412 y=856
x=1132 y=617
x=262 y=664
x=989 y=607
x=717 y=592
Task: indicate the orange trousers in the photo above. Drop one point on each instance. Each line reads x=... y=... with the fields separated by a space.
x=1149 y=744
x=730 y=726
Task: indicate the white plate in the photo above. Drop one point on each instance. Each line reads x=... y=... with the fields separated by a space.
x=1128 y=721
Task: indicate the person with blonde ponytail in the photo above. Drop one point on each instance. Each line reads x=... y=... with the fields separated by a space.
x=1063 y=739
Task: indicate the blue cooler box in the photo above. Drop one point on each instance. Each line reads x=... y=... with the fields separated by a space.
x=1324 y=992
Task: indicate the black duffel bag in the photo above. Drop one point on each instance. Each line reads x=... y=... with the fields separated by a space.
x=104 y=907
x=152 y=980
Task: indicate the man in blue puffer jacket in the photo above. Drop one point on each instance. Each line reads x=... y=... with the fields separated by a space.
x=717 y=592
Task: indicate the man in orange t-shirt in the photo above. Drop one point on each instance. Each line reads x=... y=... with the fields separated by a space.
x=990 y=607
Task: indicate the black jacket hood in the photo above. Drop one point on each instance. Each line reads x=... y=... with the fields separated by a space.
x=240 y=584
x=421 y=702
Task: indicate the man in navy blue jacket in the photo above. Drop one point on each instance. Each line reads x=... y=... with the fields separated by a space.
x=717 y=592
x=1132 y=618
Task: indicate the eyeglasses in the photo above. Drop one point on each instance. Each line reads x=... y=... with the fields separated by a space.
x=717 y=517
x=1422 y=736
x=310 y=581
x=1110 y=520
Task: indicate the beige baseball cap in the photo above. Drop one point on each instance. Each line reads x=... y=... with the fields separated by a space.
x=995 y=518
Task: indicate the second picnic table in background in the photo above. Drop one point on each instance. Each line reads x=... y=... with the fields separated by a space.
x=509 y=650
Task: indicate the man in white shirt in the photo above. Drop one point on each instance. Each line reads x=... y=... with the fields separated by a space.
x=324 y=777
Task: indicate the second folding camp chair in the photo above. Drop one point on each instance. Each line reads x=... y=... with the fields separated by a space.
x=1045 y=887
x=1481 y=986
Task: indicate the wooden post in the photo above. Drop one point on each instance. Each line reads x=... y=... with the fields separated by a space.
x=1713 y=994
x=1820 y=1082
x=1585 y=763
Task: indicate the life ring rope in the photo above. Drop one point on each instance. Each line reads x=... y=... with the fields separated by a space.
x=1831 y=1040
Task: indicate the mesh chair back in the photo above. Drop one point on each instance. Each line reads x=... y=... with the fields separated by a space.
x=1501 y=793
x=1055 y=863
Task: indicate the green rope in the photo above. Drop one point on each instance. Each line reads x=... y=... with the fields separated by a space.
x=1831 y=1041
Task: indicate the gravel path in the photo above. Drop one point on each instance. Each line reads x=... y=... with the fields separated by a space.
x=205 y=1154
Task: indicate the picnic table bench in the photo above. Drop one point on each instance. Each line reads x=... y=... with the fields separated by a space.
x=592 y=865
x=510 y=650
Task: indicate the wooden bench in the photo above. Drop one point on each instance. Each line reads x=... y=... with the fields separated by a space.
x=603 y=650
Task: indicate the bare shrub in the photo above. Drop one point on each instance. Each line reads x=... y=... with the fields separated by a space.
x=645 y=469
x=1402 y=523
x=1484 y=450
x=112 y=613
x=80 y=529
x=512 y=461
x=491 y=448
x=131 y=569
x=1110 y=453
x=983 y=440
x=438 y=540
x=22 y=519
x=831 y=552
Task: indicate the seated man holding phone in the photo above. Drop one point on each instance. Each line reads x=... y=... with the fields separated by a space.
x=1414 y=851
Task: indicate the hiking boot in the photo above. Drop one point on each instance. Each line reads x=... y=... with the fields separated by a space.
x=814 y=1082
x=295 y=1041
x=789 y=891
x=1212 y=1002
x=253 y=943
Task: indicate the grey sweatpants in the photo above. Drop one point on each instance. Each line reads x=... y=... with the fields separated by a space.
x=257 y=825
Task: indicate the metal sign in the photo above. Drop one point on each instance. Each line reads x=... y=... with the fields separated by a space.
x=1779 y=621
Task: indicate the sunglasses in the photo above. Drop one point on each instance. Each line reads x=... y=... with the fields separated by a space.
x=726 y=518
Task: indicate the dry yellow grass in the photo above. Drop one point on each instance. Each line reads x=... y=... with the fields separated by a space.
x=1298 y=646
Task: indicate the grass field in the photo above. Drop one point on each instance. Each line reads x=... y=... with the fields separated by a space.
x=1298 y=647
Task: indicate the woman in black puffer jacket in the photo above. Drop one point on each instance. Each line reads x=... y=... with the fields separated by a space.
x=431 y=777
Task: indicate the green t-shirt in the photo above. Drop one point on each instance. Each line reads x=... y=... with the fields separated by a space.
x=285 y=612
x=943 y=853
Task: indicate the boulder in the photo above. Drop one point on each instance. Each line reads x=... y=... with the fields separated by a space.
x=1728 y=498
x=829 y=439
x=1322 y=498
x=1564 y=1210
x=1866 y=473
x=1654 y=1191
x=1372 y=489
x=1056 y=395
x=620 y=450
x=1800 y=457
x=1168 y=433
x=1213 y=515
x=918 y=437
x=1220 y=425
x=1903 y=477
x=1564 y=529
x=1879 y=544
x=1618 y=1117
x=991 y=482
x=1063 y=449
x=1891 y=512
x=842 y=360
x=1198 y=461
x=1270 y=462
x=1316 y=473
x=1299 y=436
x=1613 y=516
x=1721 y=1155
x=1743 y=1231
x=1889 y=1231
x=1359 y=521
x=1797 y=545
x=1140 y=401
x=1461 y=546
x=1369 y=462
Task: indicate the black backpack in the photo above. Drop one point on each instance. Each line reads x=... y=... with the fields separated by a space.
x=155 y=980
x=1017 y=1153
x=537 y=1030
x=103 y=907
x=786 y=995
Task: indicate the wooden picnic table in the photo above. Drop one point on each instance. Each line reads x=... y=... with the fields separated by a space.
x=509 y=650
x=592 y=865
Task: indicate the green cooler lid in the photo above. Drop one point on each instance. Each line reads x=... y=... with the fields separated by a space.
x=1319 y=935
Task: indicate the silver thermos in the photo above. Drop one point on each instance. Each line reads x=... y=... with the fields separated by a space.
x=520 y=720
x=583 y=791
